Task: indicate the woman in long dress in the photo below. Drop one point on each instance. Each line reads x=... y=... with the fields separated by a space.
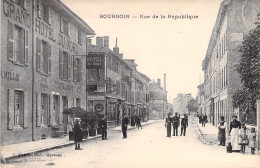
x=234 y=133
x=222 y=131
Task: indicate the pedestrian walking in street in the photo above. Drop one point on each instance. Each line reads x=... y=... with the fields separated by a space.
x=78 y=134
x=200 y=118
x=176 y=122
x=138 y=122
x=132 y=121
x=233 y=132
x=204 y=120
x=184 y=124
x=168 y=124
x=103 y=127
x=222 y=131
x=124 y=126
x=252 y=140
x=243 y=138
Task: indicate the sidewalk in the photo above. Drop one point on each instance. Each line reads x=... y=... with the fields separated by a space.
x=29 y=148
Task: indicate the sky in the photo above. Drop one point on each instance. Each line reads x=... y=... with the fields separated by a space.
x=175 y=47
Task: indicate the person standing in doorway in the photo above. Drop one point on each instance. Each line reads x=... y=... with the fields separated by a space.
x=168 y=124
x=103 y=127
x=176 y=121
x=184 y=124
x=235 y=126
x=78 y=134
x=204 y=120
x=124 y=126
x=222 y=131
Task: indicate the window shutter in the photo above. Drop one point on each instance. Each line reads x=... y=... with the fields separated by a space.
x=69 y=29
x=10 y=117
x=10 y=41
x=61 y=24
x=74 y=68
x=74 y=102
x=49 y=60
x=80 y=71
x=61 y=110
x=49 y=15
x=39 y=9
x=38 y=54
x=26 y=52
x=60 y=64
x=69 y=65
x=25 y=110
x=49 y=113
x=38 y=109
x=25 y=3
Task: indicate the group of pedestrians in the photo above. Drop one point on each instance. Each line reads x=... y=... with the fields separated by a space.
x=136 y=121
x=102 y=124
x=203 y=119
x=175 y=122
x=239 y=135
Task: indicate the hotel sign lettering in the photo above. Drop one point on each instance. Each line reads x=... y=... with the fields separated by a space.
x=9 y=75
x=94 y=61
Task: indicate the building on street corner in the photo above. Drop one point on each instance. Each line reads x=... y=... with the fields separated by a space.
x=43 y=49
x=235 y=19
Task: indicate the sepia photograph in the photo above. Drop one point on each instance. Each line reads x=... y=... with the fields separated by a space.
x=130 y=84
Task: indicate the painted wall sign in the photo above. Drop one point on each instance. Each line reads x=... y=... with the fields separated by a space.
x=9 y=75
x=44 y=29
x=236 y=36
x=16 y=13
x=65 y=42
x=95 y=61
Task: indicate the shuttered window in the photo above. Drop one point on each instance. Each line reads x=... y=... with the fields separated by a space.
x=65 y=63
x=44 y=109
x=43 y=57
x=17 y=44
x=77 y=70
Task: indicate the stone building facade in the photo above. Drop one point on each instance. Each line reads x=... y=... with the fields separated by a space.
x=180 y=103
x=235 y=19
x=43 y=48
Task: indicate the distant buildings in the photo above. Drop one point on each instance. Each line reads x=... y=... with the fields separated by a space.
x=180 y=103
x=201 y=100
x=235 y=19
x=158 y=100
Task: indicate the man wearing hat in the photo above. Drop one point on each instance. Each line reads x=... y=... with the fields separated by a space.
x=168 y=124
x=103 y=126
x=124 y=126
x=78 y=134
x=176 y=122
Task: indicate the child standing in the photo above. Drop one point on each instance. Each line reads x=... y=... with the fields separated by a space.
x=243 y=138
x=252 y=140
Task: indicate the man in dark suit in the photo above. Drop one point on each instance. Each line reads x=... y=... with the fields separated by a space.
x=124 y=126
x=175 y=122
x=184 y=124
x=168 y=124
x=103 y=126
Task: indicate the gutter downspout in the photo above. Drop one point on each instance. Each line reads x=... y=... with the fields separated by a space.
x=33 y=139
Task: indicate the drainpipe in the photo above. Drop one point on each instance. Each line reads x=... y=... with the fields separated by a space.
x=33 y=139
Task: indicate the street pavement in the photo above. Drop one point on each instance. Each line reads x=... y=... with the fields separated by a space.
x=147 y=147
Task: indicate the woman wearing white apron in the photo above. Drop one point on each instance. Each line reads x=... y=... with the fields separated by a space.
x=234 y=132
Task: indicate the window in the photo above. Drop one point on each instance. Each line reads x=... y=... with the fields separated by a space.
x=18 y=108
x=43 y=57
x=64 y=26
x=78 y=102
x=47 y=13
x=77 y=70
x=17 y=44
x=56 y=108
x=79 y=37
x=64 y=65
x=44 y=109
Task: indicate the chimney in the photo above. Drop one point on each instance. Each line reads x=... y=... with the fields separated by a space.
x=99 y=41
x=116 y=49
x=106 y=41
x=159 y=82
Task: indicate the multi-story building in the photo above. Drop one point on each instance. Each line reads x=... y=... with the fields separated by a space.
x=42 y=68
x=140 y=93
x=180 y=103
x=109 y=88
x=157 y=100
x=235 y=19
